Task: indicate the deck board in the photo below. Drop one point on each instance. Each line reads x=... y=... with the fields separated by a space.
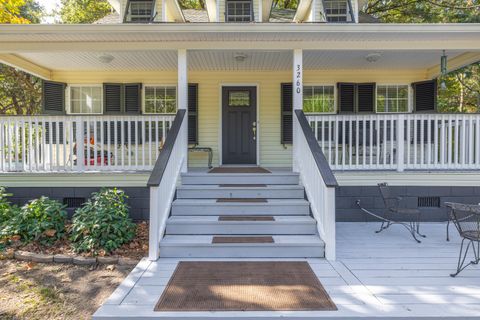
x=381 y=276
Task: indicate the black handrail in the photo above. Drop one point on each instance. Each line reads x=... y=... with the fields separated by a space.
x=162 y=160
x=322 y=164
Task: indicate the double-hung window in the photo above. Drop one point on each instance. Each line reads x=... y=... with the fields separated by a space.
x=160 y=99
x=239 y=11
x=86 y=99
x=318 y=99
x=140 y=11
x=336 y=10
x=392 y=98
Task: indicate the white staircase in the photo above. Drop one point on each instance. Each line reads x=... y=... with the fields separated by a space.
x=241 y=205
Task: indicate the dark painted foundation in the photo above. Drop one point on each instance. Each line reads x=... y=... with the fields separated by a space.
x=138 y=197
x=370 y=198
x=346 y=197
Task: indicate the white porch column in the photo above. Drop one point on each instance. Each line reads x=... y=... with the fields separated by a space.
x=297 y=101
x=182 y=97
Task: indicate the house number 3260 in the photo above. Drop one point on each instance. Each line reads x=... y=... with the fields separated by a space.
x=298 y=83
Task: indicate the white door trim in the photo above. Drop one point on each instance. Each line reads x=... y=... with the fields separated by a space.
x=220 y=127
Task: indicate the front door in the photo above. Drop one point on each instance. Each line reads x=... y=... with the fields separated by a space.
x=239 y=125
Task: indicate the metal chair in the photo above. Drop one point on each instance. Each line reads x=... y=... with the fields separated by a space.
x=466 y=218
x=395 y=214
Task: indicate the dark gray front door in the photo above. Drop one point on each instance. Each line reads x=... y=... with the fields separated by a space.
x=239 y=125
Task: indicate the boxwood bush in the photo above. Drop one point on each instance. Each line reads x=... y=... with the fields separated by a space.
x=41 y=219
x=102 y=223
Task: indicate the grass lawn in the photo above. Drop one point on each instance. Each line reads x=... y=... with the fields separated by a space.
x=54 y=291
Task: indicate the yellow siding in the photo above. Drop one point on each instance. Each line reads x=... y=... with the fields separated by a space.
x=272 y=152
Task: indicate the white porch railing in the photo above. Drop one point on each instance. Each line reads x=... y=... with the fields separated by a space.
x=319 y=182
x=399 y=141
x=164 y=178
x=80 y=143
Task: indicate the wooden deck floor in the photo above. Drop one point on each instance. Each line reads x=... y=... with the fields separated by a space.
x=380 y=276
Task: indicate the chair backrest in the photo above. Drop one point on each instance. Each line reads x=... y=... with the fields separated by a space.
x=389 y=201
x=466 y=218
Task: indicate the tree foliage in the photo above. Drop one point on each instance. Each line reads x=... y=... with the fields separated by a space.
x=84 y=11
x=20 y=93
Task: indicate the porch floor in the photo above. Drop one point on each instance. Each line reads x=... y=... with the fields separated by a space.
x=377 y=276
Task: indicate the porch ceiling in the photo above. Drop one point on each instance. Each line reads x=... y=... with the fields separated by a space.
x=218 y=60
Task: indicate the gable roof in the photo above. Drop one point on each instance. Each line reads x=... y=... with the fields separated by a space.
x=113 y=17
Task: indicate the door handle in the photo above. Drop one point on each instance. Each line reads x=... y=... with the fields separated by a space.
x=254 y=129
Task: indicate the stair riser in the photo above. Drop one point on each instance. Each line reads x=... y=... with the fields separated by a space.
x=239 y=209
x=231 y=179
x=241 y=193
x=242 y=228
x=271 y=251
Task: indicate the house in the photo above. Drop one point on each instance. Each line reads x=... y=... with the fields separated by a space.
x=141 y=100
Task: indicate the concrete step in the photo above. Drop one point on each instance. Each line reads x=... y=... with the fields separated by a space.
x=286 y=177
x=200 y=246
x=238 y=191
x=195 y=207
x=208 y=225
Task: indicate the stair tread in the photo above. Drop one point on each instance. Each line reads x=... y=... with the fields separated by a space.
x=214 y=219
x=238 y=187
x=202 y=240
x=270 y=202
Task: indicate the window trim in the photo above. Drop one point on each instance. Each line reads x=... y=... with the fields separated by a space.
x=335 y=92
x=409 y=98
x=144 y=87
x=69 y=98
x=252 y=11
x=127 y=8
x=347 y=12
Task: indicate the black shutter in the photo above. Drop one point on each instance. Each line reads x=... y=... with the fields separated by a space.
x=366 y=97
x=346 y=97
x=113 y=97
x=287 y=113
x=53 y=97
x=425 y=96
x=193 y=113
x=133 y=95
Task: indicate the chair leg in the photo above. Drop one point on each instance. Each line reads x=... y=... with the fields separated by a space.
x=462 y=257
x=476 y=252
x=448 y=233
x=418 y=228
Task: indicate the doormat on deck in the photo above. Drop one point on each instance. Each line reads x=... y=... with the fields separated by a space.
x=242 y=240
x=239 y=170
x=244 y=286
x=245 y=200
x=246 y=218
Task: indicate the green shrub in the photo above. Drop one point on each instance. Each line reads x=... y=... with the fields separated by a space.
x=102 y=223
x=40 y=220
x=7 y=210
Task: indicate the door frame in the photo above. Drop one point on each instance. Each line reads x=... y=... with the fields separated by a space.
x=220 y=127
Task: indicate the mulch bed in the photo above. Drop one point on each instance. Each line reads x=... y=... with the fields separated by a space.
x=134 y=250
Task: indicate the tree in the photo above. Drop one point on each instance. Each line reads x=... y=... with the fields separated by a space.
x=84 y=11
x=20 y=92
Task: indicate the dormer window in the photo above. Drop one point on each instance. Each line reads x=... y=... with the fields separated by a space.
x=239 y=11
x=336 y=10
x=140 y=11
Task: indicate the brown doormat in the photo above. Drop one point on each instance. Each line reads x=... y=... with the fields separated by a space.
x=242 y=185
x=239 y=170
x=255 y=200
x=244 y=286
x=246 y=218
x=242 y=240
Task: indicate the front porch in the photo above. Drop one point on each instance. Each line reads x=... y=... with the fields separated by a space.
x=379 y=276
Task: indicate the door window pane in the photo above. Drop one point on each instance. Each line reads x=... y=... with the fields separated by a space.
x=239 y=98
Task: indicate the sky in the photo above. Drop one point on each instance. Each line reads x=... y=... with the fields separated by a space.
x=49 y=6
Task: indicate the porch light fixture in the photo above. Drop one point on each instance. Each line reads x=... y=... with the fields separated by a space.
x=240 y=57
x=373 y=57
x=106 y=58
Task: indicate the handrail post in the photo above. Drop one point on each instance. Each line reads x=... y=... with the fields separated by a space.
x=80 y=144
x=400 y=143
x=183 y=101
